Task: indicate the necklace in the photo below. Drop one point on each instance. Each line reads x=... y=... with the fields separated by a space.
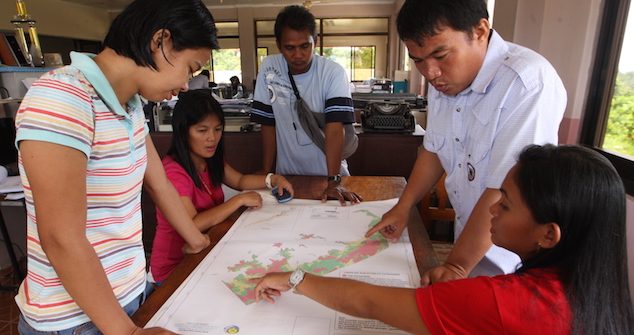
x=205 y=184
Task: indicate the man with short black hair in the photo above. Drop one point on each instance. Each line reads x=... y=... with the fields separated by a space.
x=323 y=85
x=490 y=99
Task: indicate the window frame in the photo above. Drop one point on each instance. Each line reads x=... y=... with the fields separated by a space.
x=604 y=72
x=352 y=67
x=212 y=77
x=321 y=35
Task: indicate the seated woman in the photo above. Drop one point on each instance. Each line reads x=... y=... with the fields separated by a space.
x=195 y=164
x=562 y=210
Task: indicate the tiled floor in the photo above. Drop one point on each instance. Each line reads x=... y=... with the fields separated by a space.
x=9 y=312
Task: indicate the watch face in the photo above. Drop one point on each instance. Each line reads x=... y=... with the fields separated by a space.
x=296 y=277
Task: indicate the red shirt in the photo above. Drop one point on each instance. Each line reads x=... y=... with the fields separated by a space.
x=166 y=251
x=530 y=303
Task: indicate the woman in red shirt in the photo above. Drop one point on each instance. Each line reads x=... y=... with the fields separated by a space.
x=562 y=210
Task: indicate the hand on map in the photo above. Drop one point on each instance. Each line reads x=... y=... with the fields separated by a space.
x=153 y=330
x=282 y=184
x=392 y=223
x=336 y=191
x=272 y=284
x=250 y=199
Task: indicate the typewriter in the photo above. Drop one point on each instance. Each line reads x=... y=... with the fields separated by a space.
x=388 y=113
x=387 y=117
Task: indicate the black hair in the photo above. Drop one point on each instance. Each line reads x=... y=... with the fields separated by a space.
x=205 y=73
x=192 y=107
x=580 y=190
x=190 y=23
x=421 y=19
x=295 y=17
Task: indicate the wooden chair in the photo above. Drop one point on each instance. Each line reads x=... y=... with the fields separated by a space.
x=430 y=213
x=162 y=141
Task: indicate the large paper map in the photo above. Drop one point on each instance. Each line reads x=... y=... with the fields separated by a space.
x=324 y=239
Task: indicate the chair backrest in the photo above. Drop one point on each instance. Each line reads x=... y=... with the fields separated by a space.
x=8 y=152
x=162 y=141
x=429 y=212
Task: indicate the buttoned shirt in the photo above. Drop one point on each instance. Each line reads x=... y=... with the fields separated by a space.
x=516 y=99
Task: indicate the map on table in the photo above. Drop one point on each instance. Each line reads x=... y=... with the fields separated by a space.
x=323 y=239
x=342 y=254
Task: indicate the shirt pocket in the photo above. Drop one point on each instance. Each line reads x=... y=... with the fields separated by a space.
x=436 y=143
x=477 y=156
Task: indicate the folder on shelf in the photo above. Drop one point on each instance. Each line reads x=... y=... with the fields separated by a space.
x=7 y=55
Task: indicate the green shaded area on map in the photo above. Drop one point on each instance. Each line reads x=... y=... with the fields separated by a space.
x=353 y=252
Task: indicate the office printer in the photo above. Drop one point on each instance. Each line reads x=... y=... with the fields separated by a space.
x=388 y=112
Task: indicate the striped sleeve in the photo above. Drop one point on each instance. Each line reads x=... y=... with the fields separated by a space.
x=262 y=113
x=60 y=114
x=339 y=109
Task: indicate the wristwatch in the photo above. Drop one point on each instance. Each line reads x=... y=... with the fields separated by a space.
x=296 y=277
x=336 y=178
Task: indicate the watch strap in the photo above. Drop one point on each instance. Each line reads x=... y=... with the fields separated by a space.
x=267 y=180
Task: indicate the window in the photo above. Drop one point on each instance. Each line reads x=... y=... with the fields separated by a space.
x=262 y=52
x=360 y=45
x=225 y=62
x=608 y=124
x=359 y=62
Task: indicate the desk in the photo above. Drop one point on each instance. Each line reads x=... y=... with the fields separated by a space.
x=306 y=187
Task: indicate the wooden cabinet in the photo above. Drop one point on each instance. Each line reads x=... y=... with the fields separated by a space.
x=385 y=155
x=377 y=155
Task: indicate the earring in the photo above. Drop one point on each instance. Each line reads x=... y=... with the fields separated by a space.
x=539 y=247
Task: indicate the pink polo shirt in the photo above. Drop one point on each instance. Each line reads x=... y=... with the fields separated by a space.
x=166 y=251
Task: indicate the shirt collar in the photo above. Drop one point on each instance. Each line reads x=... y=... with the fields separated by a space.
x=85 y=63
x=496 y=51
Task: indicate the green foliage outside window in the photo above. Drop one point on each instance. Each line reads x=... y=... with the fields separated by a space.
x=358 y=61
x=226 y=60
x=619 y=135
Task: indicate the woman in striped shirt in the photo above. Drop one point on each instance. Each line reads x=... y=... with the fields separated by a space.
x=85 y=154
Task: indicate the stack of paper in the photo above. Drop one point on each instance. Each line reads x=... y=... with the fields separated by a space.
x=12 y=187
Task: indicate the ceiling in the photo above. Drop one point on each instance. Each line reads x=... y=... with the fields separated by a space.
x=118 y=5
